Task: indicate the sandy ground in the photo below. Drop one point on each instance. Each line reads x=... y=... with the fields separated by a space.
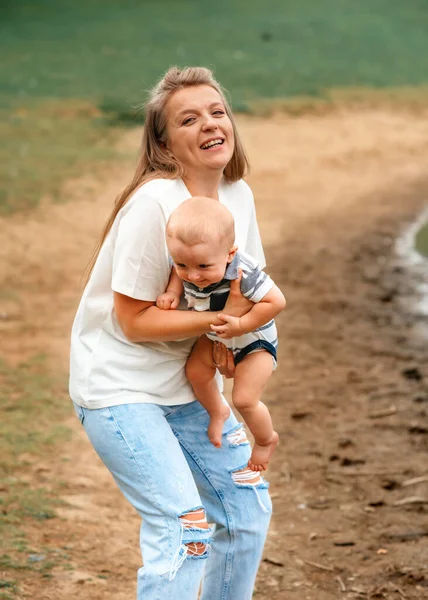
x=350 y=396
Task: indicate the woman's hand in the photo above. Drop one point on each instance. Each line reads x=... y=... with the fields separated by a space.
x=237 y=305
x=223 y=359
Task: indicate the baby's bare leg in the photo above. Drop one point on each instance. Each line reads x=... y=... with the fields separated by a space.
x=200 y=372
x=251 y=375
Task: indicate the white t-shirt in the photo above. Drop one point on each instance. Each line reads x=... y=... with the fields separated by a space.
x=107 y=369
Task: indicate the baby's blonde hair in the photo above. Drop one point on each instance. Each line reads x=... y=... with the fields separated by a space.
x=201 y=220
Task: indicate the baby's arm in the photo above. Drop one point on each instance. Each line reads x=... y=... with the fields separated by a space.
x=170 y=299
x=260 y=314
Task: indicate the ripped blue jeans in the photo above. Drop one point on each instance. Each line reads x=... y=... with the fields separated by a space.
x=205 y=516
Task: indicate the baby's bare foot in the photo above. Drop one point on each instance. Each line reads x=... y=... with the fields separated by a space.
x=215 y=428
x=261 y=454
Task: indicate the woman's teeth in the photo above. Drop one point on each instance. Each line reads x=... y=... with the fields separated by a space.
x=211 y=143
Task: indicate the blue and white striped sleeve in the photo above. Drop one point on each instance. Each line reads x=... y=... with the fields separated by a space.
x=255 y=284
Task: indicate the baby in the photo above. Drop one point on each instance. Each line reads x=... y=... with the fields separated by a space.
x=200 y=236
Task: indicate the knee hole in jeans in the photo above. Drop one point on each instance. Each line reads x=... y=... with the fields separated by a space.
x=237 y=437
x=194 y=525
x=247 y=478
x=191 y=521
x=195 y=520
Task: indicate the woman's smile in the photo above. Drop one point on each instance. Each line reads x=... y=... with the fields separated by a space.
x=213 y=143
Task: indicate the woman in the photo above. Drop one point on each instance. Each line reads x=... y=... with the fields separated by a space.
x=127 y=376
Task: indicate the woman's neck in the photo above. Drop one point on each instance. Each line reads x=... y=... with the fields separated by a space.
x=203 y=184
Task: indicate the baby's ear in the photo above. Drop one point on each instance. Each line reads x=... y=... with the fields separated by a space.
x=232 y=253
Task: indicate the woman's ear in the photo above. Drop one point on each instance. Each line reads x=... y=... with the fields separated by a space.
x=232 y=253
x=166 y=150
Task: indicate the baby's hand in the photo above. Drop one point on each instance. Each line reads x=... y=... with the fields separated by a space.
x=168 y=301
x=231 y=327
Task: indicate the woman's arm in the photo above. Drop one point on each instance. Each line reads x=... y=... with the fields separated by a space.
x=142 y=321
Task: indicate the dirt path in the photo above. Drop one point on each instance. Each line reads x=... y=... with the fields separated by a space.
x=331 y=191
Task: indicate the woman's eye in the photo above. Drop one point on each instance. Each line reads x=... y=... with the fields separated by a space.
x=218 y=112
x=188 y=121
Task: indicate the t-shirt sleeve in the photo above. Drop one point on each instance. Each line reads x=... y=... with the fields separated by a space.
x=255 y=284
x=254 y=245
x=141 y=264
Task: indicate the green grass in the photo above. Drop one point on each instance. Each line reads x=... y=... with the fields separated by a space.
x=31 y=402
x=33 y=408
x=422 y=240
x=47 y=140
x=259 y=49
x=72 y=69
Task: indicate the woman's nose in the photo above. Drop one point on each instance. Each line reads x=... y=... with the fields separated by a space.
x=209 y=123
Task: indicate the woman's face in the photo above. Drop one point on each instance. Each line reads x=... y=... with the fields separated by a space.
x=199 y=132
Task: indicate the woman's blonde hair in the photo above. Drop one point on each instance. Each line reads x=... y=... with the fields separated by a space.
x=154 y=161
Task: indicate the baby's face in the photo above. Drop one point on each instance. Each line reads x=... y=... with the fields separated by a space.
x=202 y=264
